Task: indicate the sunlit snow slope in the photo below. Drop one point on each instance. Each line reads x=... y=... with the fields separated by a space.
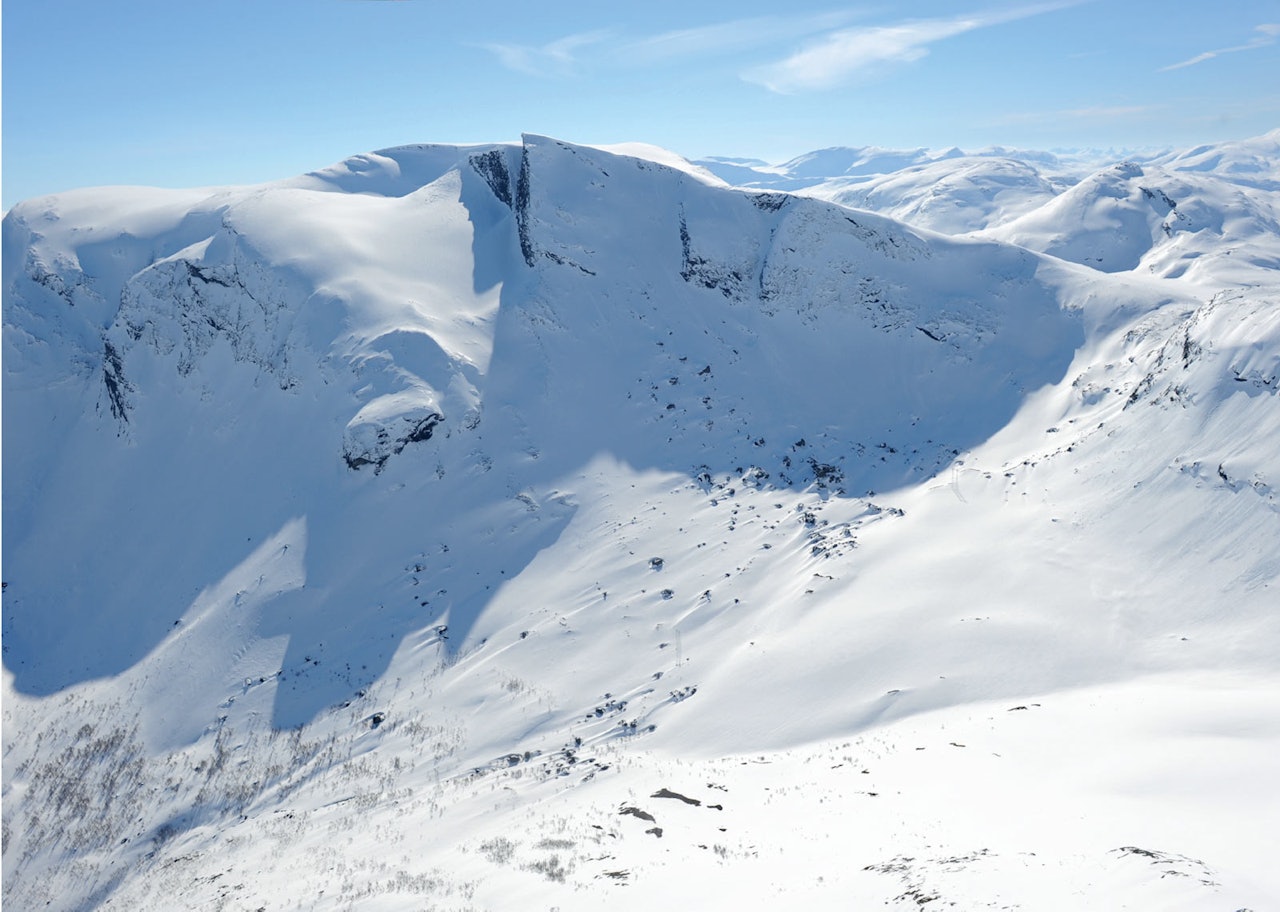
x=535 y=525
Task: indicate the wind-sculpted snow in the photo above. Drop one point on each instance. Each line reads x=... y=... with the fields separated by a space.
x=497 y=526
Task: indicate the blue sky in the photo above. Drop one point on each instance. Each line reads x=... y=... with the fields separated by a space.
x=233 y=91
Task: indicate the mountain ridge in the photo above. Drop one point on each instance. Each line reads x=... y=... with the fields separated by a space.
x=454 y=495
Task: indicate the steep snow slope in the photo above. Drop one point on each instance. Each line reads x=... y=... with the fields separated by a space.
x=380 y=315
x=497 y=527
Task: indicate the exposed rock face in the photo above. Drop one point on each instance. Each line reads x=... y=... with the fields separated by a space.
x=371 y=442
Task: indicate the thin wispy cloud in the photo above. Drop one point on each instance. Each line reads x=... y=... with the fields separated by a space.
x=730 y=37
x=557 y=58
x=569 y=55
x=848 y=54
x=1267 y=34
x=836 y=52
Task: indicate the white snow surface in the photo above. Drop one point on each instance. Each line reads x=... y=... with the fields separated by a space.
x=541 y=526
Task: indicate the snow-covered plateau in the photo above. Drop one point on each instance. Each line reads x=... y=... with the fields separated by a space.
x=540 y=526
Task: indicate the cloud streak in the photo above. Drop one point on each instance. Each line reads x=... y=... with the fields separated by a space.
x=836 y=52
x=556 y=58
x=848 y=54
x=1267 y=33
x=730 y=37
x=565 y=56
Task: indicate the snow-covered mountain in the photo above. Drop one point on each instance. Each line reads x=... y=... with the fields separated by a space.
x=1163 y=221
x=538 y=525
x=1249 y=162
x=950 y=191
x=953 y=196
x=1146 y=211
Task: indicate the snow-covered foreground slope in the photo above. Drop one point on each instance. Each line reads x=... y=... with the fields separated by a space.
x=536 y=526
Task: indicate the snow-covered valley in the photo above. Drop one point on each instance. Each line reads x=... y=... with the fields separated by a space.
x=539 y=526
